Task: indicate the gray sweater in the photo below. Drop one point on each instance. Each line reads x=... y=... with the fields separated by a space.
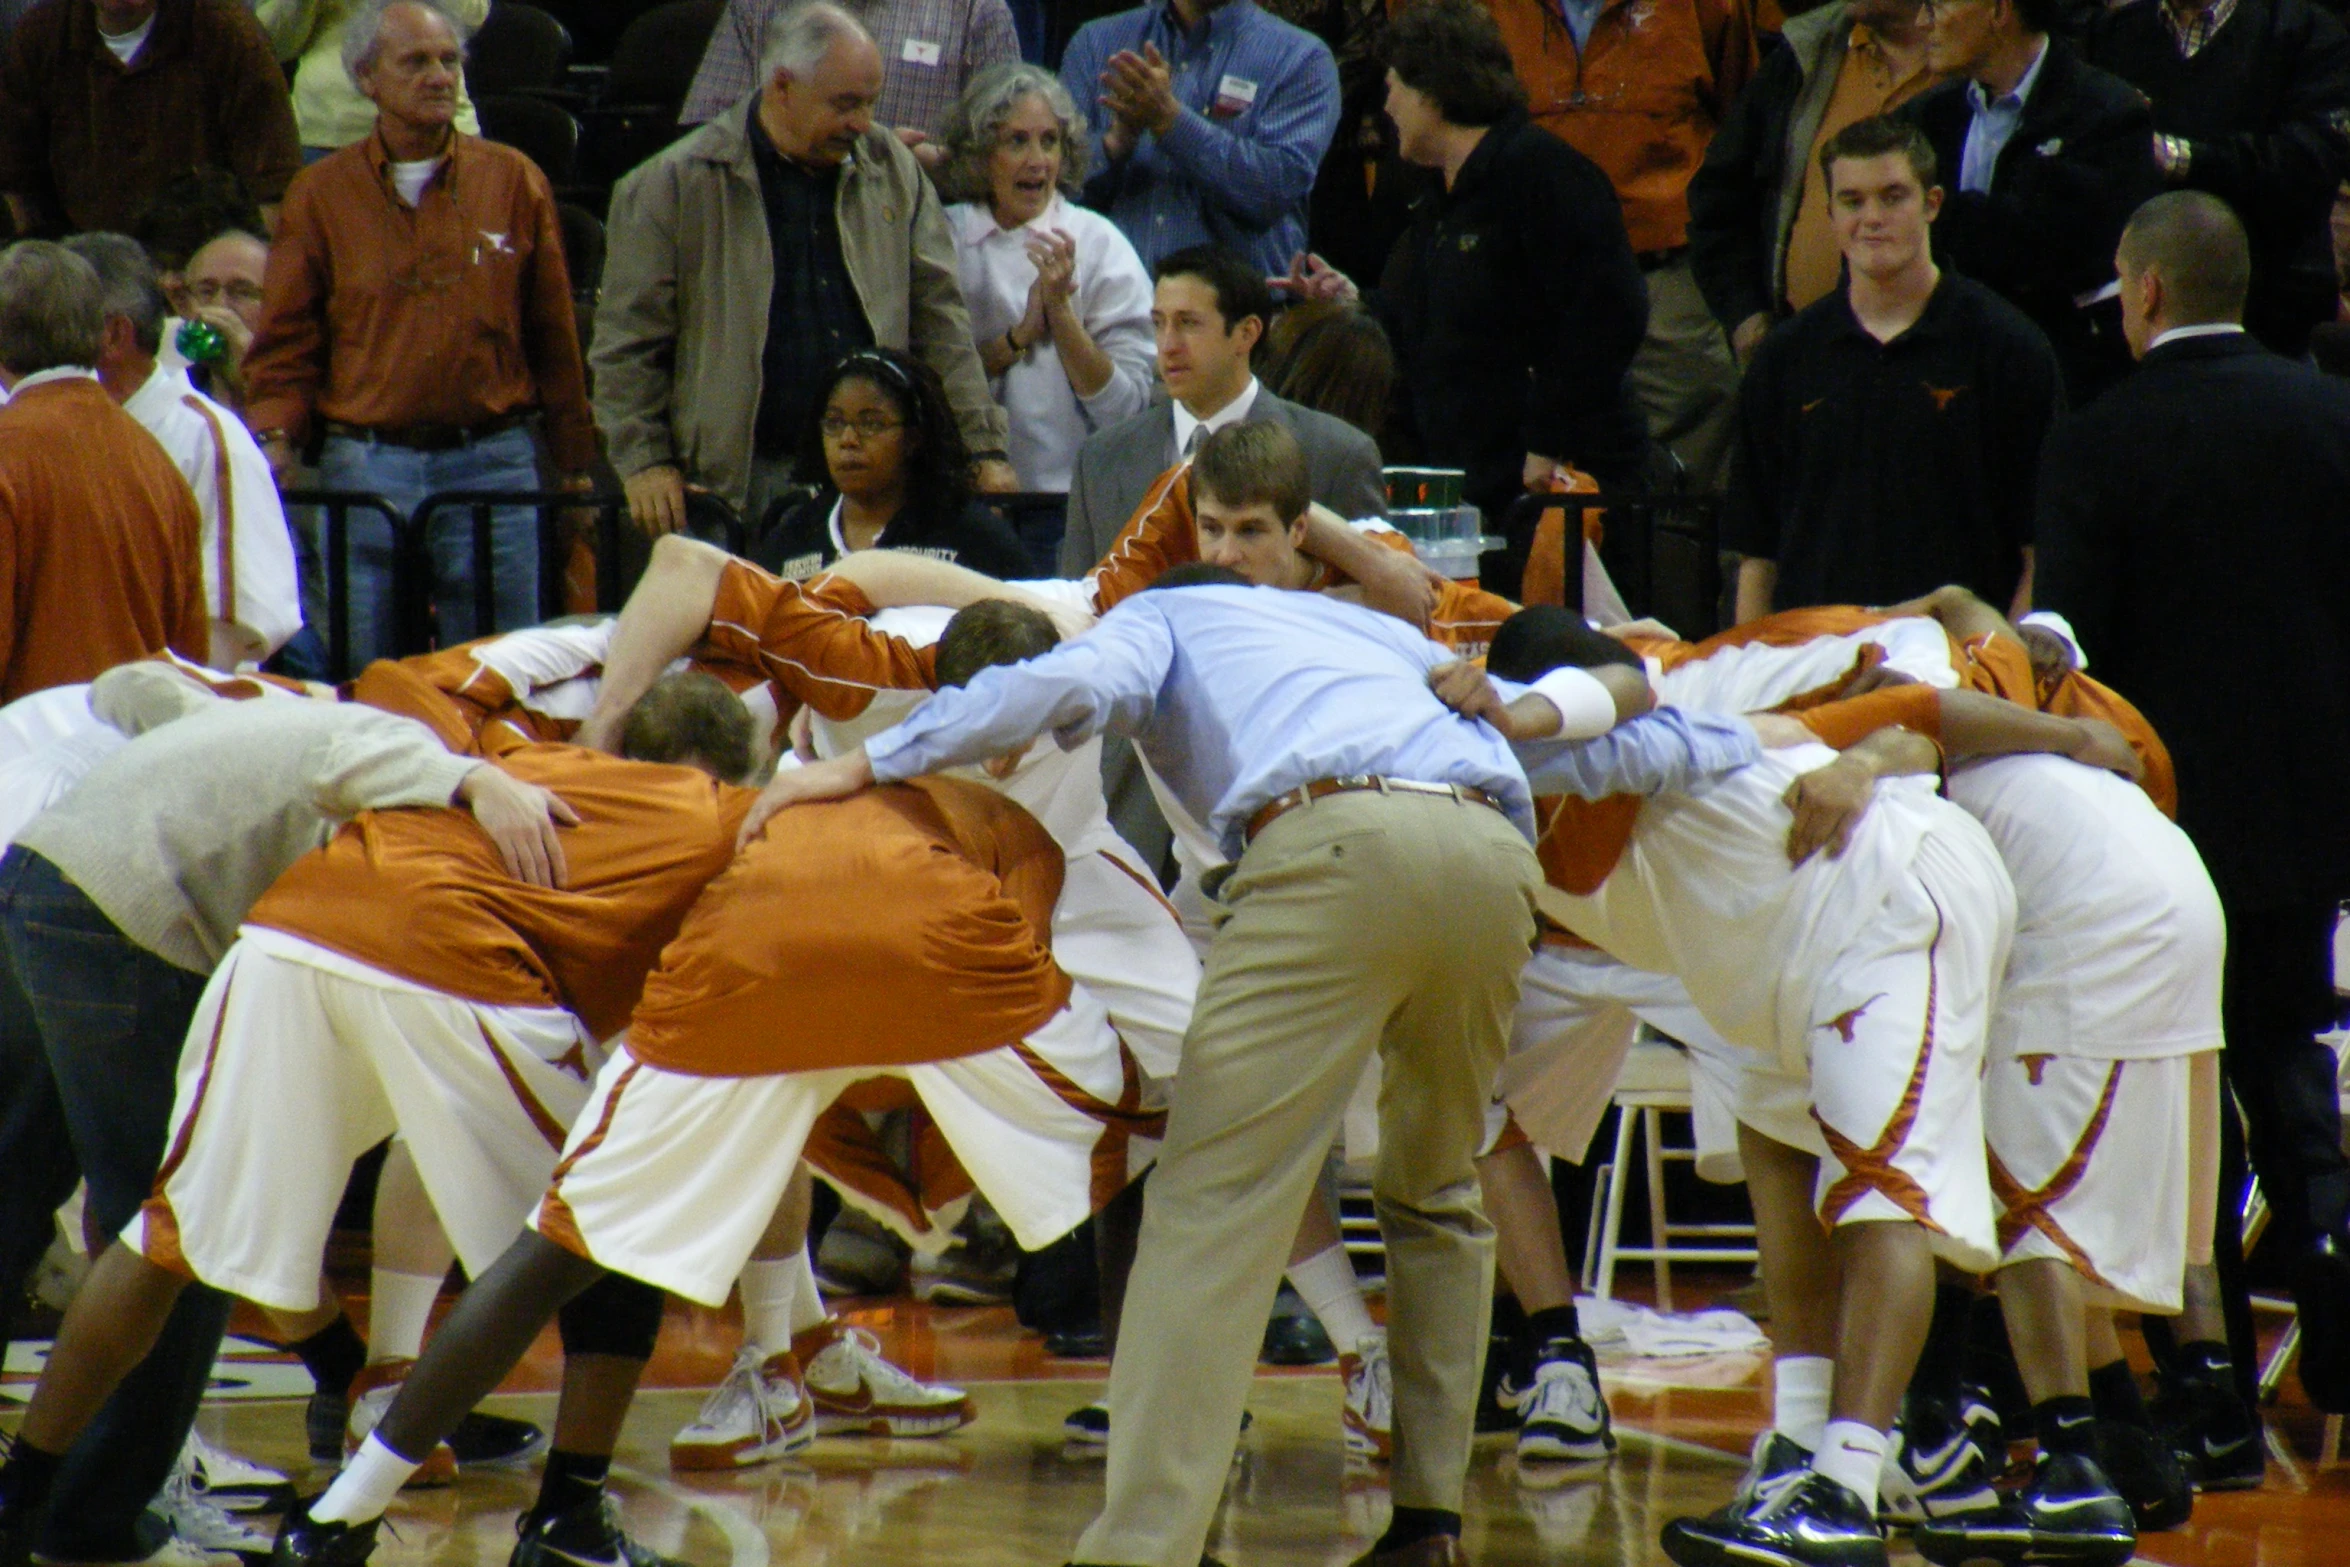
x=179 y=833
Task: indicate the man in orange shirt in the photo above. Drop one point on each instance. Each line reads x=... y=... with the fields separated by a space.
x=100 y=554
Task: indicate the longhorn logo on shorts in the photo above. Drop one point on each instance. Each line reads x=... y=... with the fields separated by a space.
x=1942 y=395
x=1844 y=1023
x=2035 y=1065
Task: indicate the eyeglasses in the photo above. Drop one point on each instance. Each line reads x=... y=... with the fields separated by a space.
x=868 y=426
x=236 y=293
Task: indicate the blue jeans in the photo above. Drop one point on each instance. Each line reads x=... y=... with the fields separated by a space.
x=505 y=461
x=110 y=1018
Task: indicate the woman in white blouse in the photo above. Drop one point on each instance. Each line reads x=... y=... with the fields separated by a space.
x=1060 y=304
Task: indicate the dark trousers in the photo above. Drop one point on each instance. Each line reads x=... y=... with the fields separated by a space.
x=108 y=1018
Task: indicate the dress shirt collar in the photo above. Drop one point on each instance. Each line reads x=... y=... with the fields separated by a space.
x=984 y=226
x=1231 y=413
x=2179 y=334
x=380 y=159
x=2013 y=100
x=165 y=384
x=44 y=377
x=2193 y=26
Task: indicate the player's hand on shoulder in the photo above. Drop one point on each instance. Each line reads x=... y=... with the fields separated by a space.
x=1828 y=802
x=1463 y=687
x=832 y=780
x=2102 y=745
x=521 y=820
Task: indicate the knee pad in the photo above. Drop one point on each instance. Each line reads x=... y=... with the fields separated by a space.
x=616 y=1315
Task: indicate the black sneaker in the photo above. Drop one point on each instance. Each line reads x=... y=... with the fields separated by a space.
x=2147 y=1473
x=1776 y=1466
x=1563 y=1417
x=487 y=1441
x=2069 y=1516
x=1090 y=1425
x=304 y=1542
x=588 y=1535
x=1293 y=1337
x=1978 y=1411
x=1814 y=1523
x=323 y=1420
x=2217 y=1438
x=1933 y=1469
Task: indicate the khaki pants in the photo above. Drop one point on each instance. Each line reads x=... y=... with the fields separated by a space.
x=1685 y=379
x=1362 y=921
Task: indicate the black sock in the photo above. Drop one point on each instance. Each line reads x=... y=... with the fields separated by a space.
x=1942 y=1363
x=2114 y=1389
x=572 y=1480
x=1553 y=1322
x=27 y=1476
x=334 y=1356
x=2066 y=1425
x=1411 y=1525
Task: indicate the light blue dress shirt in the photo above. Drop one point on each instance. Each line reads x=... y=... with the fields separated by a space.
x=1993 y=126
x=1259 y=105
x=1238 y=695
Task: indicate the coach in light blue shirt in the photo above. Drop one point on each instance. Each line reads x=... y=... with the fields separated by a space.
x=1207 y=120
x=1382 y=898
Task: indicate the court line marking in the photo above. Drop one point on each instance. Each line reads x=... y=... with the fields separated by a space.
x=746 y=1543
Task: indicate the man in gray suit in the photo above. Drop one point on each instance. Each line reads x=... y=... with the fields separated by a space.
x=1210 y=309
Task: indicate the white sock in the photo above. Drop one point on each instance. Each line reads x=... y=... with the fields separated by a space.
x=768 y=1286
x=807 y=1302
x=398 y=1307
x=1800 y=1387
x=1326 y=1281
x=1851 y=1454
x=366 y=1486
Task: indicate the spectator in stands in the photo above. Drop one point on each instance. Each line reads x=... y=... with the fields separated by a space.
x=417 y=313
x=1060 y=303
x=2251 y=103
x=2046 y=158
x=1336 y=360
x=1639 y=90
x=329 y=109
x=720 y=319
x=222 y=287
x=250 y=593
x=931 y=50
x=1761 y=242
x=884 y=437
x=1888 y=435
x=184 y=219
x=104 y=102
x=1514 y=300
x=1207 y=120
x=98 y=533
x=2212 y=488
x=187 y=213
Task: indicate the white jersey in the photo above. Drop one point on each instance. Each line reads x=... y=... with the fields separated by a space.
x=1757 y=676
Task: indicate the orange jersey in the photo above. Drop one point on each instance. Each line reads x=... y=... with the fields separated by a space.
x=422 y=894
x=479 y=695
x=810 y=638
x=905 y=924
x=1163 y=533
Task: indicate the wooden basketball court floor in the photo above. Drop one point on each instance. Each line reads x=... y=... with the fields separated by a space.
x=1005 y=1492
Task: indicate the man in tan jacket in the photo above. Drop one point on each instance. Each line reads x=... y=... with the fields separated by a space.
x=793 y=198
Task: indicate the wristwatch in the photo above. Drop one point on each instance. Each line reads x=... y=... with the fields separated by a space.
x=2175 y=154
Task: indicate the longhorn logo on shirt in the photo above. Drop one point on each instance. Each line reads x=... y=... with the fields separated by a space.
x=2035 y=1065
x=498 y=244
x=1942 y=395
x=1845 y=1023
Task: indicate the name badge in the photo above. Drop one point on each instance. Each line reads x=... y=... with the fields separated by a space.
x=1234 y=95
x=919 y=51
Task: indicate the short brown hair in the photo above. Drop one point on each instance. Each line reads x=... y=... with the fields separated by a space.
x=1452 y=52
x=52 y=310
x=1256 y=460
x=988 y=632
x=1878 y=137
x=690 y=717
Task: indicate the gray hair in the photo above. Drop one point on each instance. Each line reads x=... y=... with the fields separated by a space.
x=363 y=31
x=798 y=40
x=127 y=284
x=978 y=117
x=51 y=311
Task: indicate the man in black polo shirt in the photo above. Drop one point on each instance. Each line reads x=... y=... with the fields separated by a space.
x=1888 y=435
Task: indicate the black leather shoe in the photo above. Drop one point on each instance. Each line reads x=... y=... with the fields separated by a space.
x=2069 y=1516
x=1816 y=1523
x=2147 y=1473
x=1088 y=1342
x=304 y=1542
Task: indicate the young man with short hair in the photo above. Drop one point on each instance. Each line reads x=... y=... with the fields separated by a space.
x=1889 y=434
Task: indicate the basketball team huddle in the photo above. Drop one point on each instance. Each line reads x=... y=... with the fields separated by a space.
x=625 y=930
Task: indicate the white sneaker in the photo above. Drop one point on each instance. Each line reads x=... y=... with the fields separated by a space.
x=760 y=1411
x=1369 y=1415
x=229 y=1480
x=856 y=1391
x=1564 y=1417
x=198 y=1521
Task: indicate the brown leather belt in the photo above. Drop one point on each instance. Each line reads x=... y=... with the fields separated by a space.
x=429 y=437
x=1322 y=788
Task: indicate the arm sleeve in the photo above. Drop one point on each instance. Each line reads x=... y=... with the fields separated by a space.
x=1359 y=487
x=551 y=335
x=287 y=363
x=1590 y=307
x=1847 y=723
x=1107 y=679
x=1727 y=255
x=991 y=39
x=2029 y=407
x=1158 y=536
x=729 y=67
x=635 y=350
x=1751 y=510
x=1077 y=525
x=939 y=326
x=1264 y=173
x=266 y=596
x=811 y=639
x=1668 y=749
x=377 y=761
x=2302 y=152
x=1118 y=318
x=2078 y=569
x=1081 y=72
x=2048 y=230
